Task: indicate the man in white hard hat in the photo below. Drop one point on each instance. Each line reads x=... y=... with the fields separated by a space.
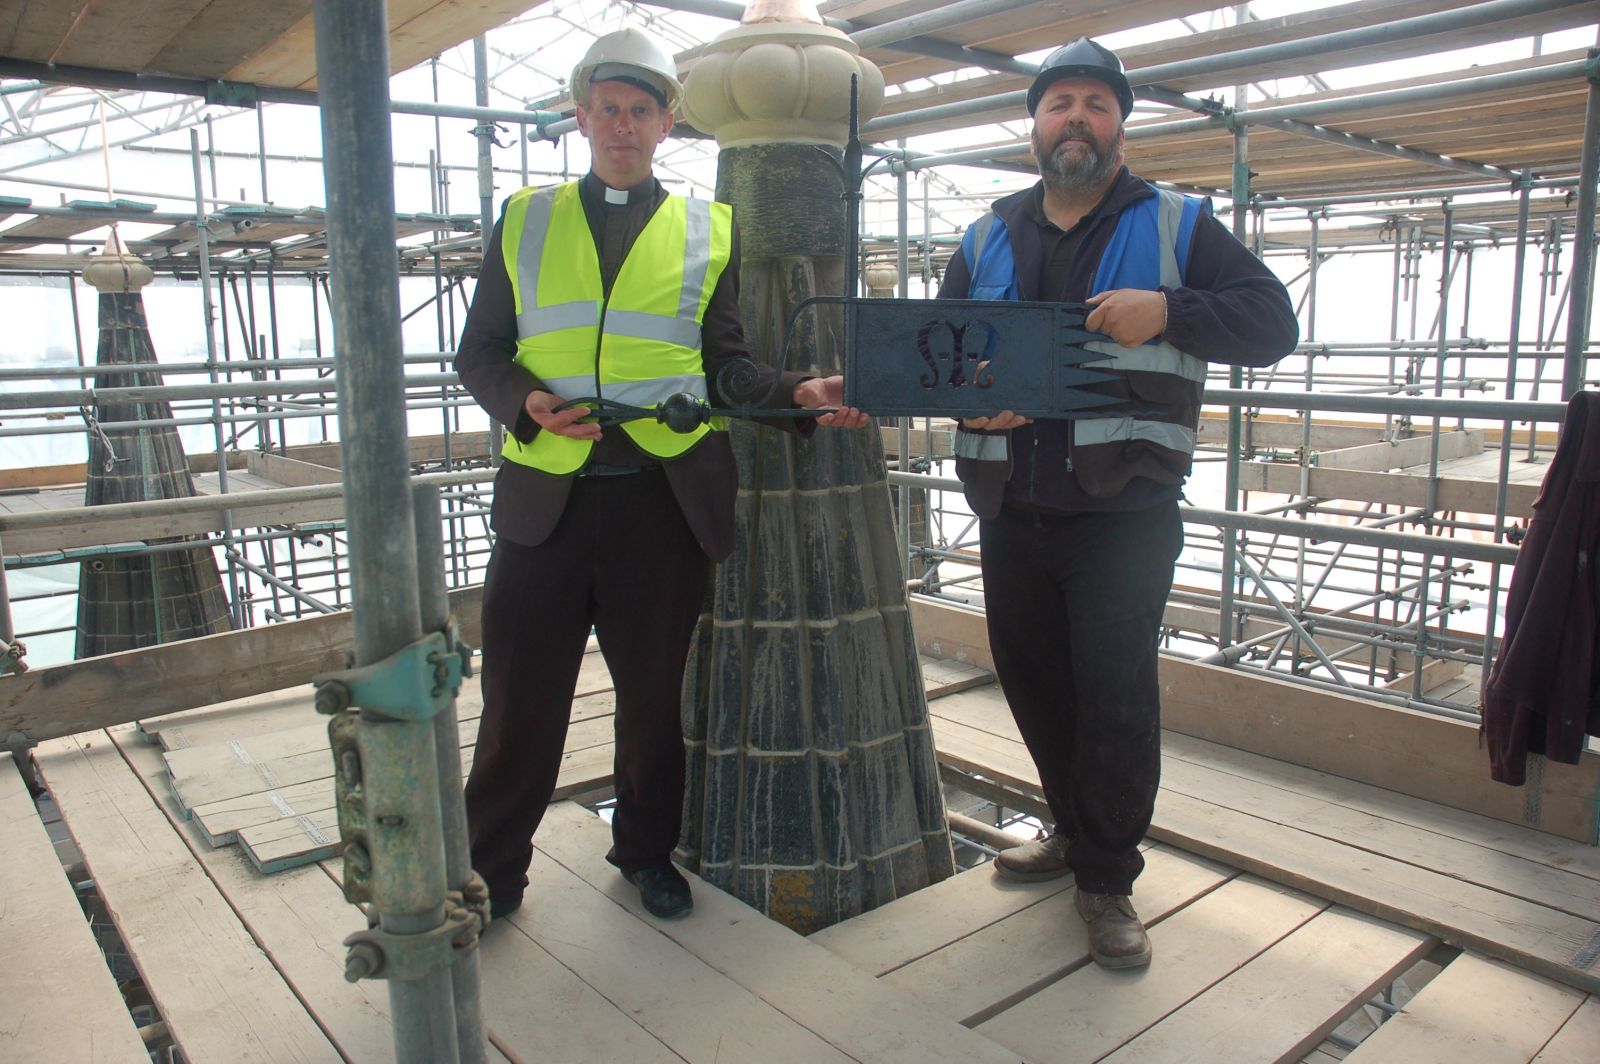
x=609 y=287
x=1080 y=527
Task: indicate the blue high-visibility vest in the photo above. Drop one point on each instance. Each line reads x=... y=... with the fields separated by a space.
x=1148 y=250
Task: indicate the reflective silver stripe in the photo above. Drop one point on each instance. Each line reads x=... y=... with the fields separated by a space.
x=1170 y=214
x=696 y=259
x=570 y=387
x=650 y=392
x=534 y=321
x=980 y=447
x=642 y=326
x=535 y=226
x=980 y=236
x=1149 y=358
x=1086 y=431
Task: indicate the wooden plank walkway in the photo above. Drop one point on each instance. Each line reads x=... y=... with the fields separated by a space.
x=1510 y=893
x=1261 y=946
x=579 y=974
x=1476 y=1010
x=218 y=991
x=258 y=772
x=50 y=954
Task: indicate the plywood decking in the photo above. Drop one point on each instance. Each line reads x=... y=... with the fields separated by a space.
x=1248 y=966
x=259 y=773
x=1509 y=893
x=579 y=974
x=50 y=954
x=233 y=40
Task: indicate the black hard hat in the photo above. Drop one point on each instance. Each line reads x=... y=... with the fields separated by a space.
x=1082 y=58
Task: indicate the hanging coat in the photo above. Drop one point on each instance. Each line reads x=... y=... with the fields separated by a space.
x=1541 y=694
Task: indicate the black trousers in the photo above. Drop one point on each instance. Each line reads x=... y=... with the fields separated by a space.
x=1074 y=607
x=623 y=560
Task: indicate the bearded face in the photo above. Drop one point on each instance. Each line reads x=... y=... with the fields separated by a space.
x=1077 y=160
x=1077 y=135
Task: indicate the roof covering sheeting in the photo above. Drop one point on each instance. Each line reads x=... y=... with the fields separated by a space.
x=229 y=40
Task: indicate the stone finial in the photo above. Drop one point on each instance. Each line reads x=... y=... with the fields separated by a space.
x=780 y=82
x=881 y=278
x=117 y=271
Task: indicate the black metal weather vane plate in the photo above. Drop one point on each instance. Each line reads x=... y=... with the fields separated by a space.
x=971 y=358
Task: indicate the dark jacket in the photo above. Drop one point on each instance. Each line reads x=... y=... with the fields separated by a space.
x=1231 y=309
x=1541 y=695
x=527 y=502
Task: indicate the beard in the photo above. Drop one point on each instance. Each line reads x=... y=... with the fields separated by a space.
x=1066 y=168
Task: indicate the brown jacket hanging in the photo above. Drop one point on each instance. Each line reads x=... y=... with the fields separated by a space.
x=1541 y=694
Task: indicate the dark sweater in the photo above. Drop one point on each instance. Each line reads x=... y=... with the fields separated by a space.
x=1231 y=309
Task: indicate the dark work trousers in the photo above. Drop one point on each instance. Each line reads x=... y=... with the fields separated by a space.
x=1074 y=606
x=622 y=559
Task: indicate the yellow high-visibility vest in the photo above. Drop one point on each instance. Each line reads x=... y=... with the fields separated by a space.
x=641 y=346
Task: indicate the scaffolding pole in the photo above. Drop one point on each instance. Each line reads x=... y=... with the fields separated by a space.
x=1583 y=239
x=395 y=767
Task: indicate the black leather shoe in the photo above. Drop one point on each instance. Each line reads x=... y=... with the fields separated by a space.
x=663 y=890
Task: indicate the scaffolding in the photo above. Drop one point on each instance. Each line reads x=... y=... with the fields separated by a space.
x=1351 y=520
x=1298 y=563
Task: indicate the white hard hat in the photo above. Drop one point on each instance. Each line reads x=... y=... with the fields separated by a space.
x=628 y=54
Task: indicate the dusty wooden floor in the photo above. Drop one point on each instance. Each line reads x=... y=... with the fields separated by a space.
x=1280 y=902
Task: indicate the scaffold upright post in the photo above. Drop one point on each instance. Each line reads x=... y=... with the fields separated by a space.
x=395 y=762
x=435 y=601
x=1582 y=278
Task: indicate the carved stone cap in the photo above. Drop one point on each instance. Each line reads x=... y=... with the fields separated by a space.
x=780 y=83
x=115 y=271
x=881 y=278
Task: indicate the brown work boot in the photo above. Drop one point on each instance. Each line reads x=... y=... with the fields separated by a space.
x=1041 y=859
x=1116 y=937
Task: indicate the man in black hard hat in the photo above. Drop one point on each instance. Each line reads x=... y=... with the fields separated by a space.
x=1079 y=522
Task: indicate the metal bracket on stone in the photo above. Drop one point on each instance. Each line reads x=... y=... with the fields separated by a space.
x=379 y=954
x=92 y=423
x=969 y=358
x=415 y=683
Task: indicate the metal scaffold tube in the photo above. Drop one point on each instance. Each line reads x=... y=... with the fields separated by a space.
x=1234 y=445
x=1582 y=278
x=1223 y=62
x=435 y=604
x=1384 y=32
x=235 y=609
x=385 y=748
x=11 y=651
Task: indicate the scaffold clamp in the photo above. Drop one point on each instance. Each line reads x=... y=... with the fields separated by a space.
x=379 y=954
x=415 y=683
x=11 y=657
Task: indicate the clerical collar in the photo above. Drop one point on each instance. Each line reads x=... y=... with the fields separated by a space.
x=616 y=196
